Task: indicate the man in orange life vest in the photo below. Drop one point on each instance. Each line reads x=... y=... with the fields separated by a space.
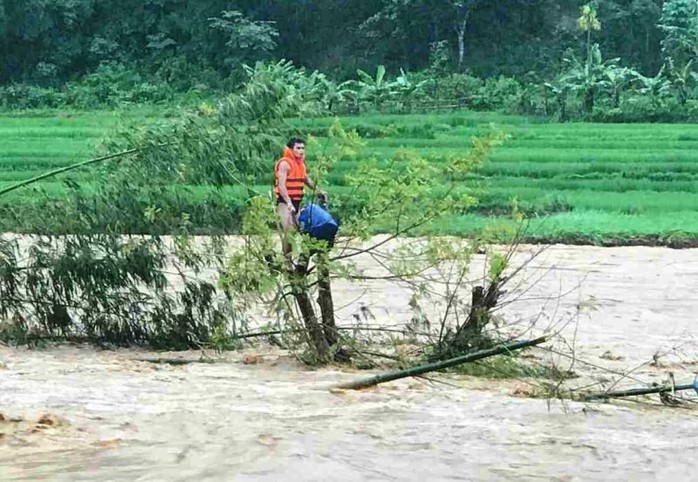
x=290 y=176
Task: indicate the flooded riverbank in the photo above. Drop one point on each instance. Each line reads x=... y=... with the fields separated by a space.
x=78 y=413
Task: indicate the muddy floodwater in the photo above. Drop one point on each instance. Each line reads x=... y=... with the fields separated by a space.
x=76 y=413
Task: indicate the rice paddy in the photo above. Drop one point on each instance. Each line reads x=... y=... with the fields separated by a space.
x=576 y=182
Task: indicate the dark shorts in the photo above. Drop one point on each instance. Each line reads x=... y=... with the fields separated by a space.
x=296 y=204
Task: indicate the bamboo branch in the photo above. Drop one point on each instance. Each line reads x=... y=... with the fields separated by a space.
x=419 y=370
x=260 y=334
x=77 y=165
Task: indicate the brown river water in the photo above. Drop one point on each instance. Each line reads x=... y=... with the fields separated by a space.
x=75 y=413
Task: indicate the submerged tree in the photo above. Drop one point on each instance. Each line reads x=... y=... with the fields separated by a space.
x=400 y=198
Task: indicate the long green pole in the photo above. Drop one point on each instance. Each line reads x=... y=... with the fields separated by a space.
x=642 y=391
x=32 y=180
x=471 y=357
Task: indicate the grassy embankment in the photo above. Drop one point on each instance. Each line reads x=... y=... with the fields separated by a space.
x=593 y=183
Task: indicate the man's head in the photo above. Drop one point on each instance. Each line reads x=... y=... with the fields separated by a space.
x=297 y=145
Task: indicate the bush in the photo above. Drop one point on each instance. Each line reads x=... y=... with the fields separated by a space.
x=20 y=96
x=107 y=289
x=641 y=109
x=109 y=86
x=501 y=93
x=455 y=86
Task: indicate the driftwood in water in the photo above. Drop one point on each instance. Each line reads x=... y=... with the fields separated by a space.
x=471 y=357
x=173 y=361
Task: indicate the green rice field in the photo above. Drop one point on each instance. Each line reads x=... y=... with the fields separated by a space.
x=34 y=143
x=576 y=182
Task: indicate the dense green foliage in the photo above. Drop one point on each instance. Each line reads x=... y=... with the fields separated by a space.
x=108 y=289
x=50 y=41
x=608 y=184
x=608 y=60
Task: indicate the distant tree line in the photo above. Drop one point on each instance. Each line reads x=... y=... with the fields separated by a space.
x=50 y=41
x=562 y=57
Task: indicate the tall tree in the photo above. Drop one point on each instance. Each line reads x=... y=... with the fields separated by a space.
x=462 y=10
x=679 y=22
x=419 y=23
x=631 y=32
x=246 y=39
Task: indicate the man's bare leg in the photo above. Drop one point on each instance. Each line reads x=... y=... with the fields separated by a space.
x=287 y=225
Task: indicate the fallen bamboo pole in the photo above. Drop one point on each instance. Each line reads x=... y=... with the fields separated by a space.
x=471 y=357
x=632 y=392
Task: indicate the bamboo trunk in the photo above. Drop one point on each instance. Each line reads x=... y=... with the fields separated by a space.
x=642 y=391
x=410 y=372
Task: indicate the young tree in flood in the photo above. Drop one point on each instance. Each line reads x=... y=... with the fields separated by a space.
x=397 y=197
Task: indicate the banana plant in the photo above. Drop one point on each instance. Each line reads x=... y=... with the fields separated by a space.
x=588 y=77
x=680 y=79
x=617 y=79
x=656 y=88
x=374 y=90
x=406 y=89
x=560 y=89
x=694 y=91
x=334 y=94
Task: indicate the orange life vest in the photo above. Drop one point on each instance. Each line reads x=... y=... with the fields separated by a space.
x=295 y=178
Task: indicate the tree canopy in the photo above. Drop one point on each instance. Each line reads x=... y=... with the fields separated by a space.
x=52 y=41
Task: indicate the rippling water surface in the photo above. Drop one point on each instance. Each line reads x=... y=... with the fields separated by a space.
x=112 y=417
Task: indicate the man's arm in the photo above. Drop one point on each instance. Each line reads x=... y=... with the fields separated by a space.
x=309 y=182
x=284 y=169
